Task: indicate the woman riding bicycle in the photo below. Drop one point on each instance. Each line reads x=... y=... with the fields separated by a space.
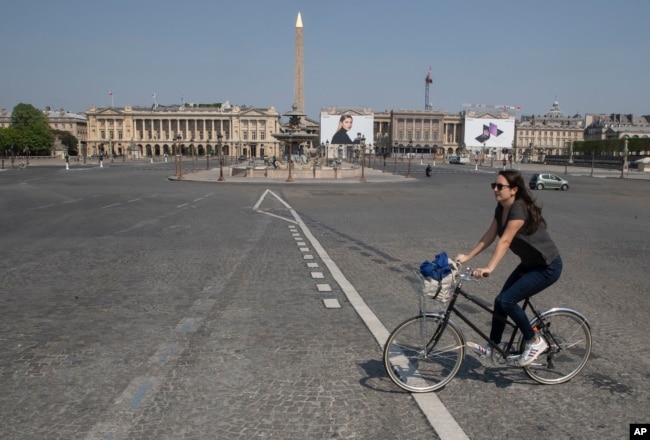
x=519 y=224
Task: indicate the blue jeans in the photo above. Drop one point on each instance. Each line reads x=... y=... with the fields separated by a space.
x=522 y=283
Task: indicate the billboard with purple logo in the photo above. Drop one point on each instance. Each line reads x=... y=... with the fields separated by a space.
x=489 y=132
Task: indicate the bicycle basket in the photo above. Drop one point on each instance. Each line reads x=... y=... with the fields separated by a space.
x=440 y=290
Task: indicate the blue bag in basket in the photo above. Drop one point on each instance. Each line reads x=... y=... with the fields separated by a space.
x=438 y=268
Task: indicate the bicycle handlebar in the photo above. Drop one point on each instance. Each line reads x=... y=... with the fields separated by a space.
x=467 y=274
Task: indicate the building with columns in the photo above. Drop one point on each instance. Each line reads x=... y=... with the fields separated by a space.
x=551 y=134
x=193 y=129
x=428 y=131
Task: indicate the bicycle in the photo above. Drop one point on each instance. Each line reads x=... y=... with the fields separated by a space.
x=425 y=352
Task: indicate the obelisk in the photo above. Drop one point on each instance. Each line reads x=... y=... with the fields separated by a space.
x=299 y=71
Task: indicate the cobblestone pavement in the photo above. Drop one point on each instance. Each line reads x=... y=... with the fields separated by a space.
x=137 y=307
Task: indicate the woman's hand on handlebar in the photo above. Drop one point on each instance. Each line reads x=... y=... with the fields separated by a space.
x=481 y=272
x=461 y=258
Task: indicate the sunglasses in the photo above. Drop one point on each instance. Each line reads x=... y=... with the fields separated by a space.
x=499 y=186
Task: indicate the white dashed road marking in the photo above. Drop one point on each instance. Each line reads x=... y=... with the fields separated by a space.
x=442 y=421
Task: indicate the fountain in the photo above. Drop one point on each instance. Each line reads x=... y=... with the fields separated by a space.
x=295 y=135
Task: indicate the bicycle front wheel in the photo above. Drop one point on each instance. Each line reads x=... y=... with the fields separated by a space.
x=569 y=337
x=419 y=358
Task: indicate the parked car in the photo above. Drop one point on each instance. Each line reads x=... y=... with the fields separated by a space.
x=459 y=160
x=548 y=181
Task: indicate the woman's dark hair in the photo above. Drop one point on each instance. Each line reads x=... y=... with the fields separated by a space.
x=535 y=218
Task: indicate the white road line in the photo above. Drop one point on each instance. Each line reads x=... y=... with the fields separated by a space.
x=439 y=417
x=110 y=206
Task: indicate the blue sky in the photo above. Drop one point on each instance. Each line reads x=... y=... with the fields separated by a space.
x=593 y=57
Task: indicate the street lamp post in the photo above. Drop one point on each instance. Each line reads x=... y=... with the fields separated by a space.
x=362 y=144
x=220 y=145
x=193 y=157
x=408 y=172
x=625 y=152
x=327 y=152
x=290 y=178
x=207 y=158
x=395 y=155
x=566 y=159
x=178 y=157
x=180 y=162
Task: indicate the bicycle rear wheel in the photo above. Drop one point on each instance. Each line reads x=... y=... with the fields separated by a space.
x=417 y=363
x=569 y=337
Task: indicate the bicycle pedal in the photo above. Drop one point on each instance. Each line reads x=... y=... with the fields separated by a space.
x=513 y=359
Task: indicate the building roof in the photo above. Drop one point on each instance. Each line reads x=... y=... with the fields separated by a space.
x=63 y=114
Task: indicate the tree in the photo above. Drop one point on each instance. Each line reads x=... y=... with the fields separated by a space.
x=69 y=140
x=32 y=128
x=8 y=140
x=590 y=147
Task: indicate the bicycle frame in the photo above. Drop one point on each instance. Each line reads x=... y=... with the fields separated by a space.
x=451 y=308
x=426 y=359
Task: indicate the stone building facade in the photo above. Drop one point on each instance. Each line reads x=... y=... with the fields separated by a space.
x=551 y=134
x=193 y=129
x=616 y=126
x=425 y=131
x=73 y=123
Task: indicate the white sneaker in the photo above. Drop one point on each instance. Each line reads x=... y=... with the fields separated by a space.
x=484 y=351
x=532 y=350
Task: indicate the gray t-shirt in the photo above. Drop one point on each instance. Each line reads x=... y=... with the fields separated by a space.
x=536 y=249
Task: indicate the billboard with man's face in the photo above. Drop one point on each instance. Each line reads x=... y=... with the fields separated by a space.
x=346 y=128
x=490 y=132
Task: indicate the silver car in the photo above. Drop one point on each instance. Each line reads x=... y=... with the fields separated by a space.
x=548 y=181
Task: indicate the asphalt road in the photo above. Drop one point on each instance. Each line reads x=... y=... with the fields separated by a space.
x=137 y=307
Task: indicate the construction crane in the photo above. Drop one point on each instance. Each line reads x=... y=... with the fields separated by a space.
x=427 y=81
x=495 y=106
